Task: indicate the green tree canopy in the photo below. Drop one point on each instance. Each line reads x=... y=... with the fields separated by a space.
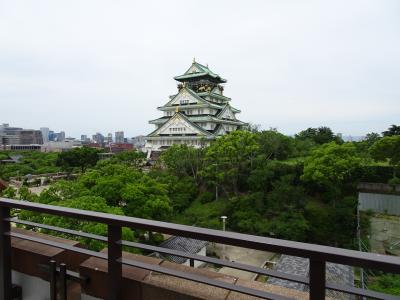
x=132 y=158
x=387 y=148
x=331 y=163
x=82 y=158
x=275 y=145
x=183 y=160
x=392 y=130
x=146 y=198
x=230 y=158
x=320 y=135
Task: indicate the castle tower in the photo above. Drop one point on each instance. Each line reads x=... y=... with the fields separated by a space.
x=197 y=114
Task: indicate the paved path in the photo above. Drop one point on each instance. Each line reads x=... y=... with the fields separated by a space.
x=242 y=255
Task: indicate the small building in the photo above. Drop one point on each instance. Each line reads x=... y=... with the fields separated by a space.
x=186 y=245
x=3 y=185
x=116 y=148
x=300 y=266
x=60 y=146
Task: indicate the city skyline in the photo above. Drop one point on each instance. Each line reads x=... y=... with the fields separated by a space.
x=289 y=65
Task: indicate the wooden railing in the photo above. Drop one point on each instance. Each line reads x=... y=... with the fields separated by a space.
x=318 y=255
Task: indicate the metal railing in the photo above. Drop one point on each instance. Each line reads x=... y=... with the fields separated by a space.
x=318 y=255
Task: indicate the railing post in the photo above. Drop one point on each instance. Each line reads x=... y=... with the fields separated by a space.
x=114 y=266
x=53 y=280
x=317 y=279
x=5 y=255
x=191 y=262
x=63 y=281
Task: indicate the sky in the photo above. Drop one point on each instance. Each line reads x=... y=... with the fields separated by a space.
x=87 y=66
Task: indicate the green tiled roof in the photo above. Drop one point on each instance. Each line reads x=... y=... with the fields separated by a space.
x=205 y=132
x=204 y=71
x=203 y=94
x=195 y=95
x=202 y=118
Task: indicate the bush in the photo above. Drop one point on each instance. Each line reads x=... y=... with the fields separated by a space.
x=206 y=197
x=394 y=181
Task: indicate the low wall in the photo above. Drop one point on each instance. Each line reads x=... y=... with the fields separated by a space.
x=137 y=283
x=380 y=203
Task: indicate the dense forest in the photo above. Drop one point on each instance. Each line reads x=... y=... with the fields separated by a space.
x=299 y=188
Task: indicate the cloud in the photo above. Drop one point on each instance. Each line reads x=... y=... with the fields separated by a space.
x=87 y=66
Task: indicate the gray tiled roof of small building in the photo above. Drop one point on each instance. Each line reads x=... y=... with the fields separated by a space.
x=336 y=273
x=183 y=244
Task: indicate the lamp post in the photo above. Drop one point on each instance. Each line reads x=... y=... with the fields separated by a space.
x=223 y=218
x=216 y=181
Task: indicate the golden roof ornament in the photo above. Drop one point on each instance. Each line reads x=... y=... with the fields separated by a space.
x=177 y=109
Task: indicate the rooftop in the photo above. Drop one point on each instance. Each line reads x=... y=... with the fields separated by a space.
x=198 y=70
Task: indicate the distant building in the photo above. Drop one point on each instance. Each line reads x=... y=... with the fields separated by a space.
x=65 y=145
x=61 y=136
x=45 y=134
x=19 y=136
x=109 y=138
x=119 y=137
x=30 y=147
x=98 y=138
x=52 y=135
x=138 y=141
x=116 y=148
x=94 y=145
x=198 y=113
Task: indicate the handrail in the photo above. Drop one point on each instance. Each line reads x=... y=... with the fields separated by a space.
x=211 y=260
x=337 y=255
x=317 y=254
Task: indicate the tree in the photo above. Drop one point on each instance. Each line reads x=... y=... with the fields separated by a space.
x=330 y=165
x=392 y=130
x=182 y=191
x=320 y=135
x=82 y=158
x=371 y=138
x=146 y=198
x=386 y=283
x=133 y=158
x=290 y=226
x=229 y=160
x=275 y=145
x=183 y=160
x=387 y=148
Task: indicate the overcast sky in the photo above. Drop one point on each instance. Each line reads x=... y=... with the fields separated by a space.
x=86 y=66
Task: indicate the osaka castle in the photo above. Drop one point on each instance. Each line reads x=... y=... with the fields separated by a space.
x=198 y=113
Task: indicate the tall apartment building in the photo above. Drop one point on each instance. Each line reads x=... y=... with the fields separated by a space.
x=98 y=138
x=61 y=136
x=119 y=137
x=45 y=134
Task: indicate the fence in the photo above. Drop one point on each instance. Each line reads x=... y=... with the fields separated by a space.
x=318 y=255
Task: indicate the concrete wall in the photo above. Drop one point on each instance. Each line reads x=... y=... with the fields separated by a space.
x=381 y=203
x=33 y=288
